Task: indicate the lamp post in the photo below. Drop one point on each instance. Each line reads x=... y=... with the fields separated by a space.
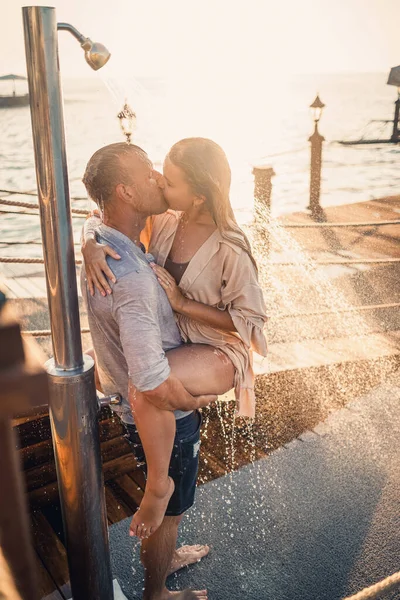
x=395 y=131
x=73 y=402
x=263 y=185
x=316 y=140
x=394 y=79
x=127 y=119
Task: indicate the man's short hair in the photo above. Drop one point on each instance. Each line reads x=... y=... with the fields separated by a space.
x=105 y=170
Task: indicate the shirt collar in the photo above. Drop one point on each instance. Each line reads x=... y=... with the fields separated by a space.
x=111 y=234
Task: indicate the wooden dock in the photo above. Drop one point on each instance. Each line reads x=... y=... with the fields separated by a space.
x=289 y=403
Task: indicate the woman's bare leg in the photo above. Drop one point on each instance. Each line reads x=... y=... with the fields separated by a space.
x=158 y=449
x=202 y=369
x=156 y=429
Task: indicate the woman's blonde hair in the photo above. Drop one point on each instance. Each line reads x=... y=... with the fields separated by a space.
x=207 y=171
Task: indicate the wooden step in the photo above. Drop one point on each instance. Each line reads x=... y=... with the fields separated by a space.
x=51 y=552
x=36 y=455
x=116 y=510
x=47 y=589
x=47 y=492
x=33 y=430
x=128 y=490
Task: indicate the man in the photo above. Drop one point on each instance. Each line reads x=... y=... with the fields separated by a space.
x=132 y=328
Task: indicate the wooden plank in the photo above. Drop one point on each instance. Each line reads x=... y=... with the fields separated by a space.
x=35 y=413
x=119 y=466
x=111 y=449
x=43 y=496
x=46 y=587
x=7 y=290
x=17 y=288
x=6 y=271
x=17 y=270
x=111 y=428
x=129 y=491
x=116 y=510
x=121 y=462
x=37 y=454
x=54 y=596
x=33 y=430
x=40 y=476
x=138 y=477
x=43 y=411
x=47 y=493
x=40 y=285
x=31 y=288
x=51 y=552
x=27 y=286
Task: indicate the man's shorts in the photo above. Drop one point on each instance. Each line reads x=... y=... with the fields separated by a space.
x=184 y=462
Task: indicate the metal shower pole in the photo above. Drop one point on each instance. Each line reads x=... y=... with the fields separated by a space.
x=73 y=403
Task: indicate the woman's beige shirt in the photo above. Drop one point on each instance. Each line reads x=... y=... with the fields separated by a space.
x=222 y=275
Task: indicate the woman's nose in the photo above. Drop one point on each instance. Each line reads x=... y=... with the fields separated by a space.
x=160 y=179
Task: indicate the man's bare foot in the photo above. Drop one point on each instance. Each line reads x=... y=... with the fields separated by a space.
x=187 y=555
x=186 y=595
x=151 y=511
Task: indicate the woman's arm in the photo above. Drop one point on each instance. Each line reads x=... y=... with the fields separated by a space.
x=209 y=315
x=94 y=255
x=90 y=226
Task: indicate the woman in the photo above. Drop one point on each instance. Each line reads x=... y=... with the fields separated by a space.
x=204 y=263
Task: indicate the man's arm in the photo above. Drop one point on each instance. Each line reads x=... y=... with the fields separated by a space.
x=171 y=395
x=89 y=227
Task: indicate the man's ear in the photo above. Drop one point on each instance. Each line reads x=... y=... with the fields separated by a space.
x=125 y=193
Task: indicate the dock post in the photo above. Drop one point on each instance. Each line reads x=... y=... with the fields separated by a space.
x=73 y=402
x=316 y=140
x=262 y=201
x=395 y=132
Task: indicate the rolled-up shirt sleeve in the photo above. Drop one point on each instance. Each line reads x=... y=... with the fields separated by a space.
x=136 y=311
x=242 y=296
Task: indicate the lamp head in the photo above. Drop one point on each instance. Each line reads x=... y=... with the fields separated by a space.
x=127 y=119
x=317 y=107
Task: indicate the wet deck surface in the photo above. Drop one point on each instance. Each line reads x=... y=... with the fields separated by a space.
x=290 y=347
x=292 y=350
x=316 y=520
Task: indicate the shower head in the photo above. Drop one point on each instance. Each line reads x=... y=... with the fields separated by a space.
x=96 y=55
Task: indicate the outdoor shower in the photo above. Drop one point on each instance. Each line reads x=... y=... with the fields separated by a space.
x=73 y=404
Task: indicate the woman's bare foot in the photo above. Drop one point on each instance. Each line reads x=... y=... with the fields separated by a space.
x=151 y=511
x=187 y=555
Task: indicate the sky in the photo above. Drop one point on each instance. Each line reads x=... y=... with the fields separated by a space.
x=213 y=39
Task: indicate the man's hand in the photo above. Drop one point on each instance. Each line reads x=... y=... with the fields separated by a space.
x=205 y=400
x=96 y=266
x=171 y=395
